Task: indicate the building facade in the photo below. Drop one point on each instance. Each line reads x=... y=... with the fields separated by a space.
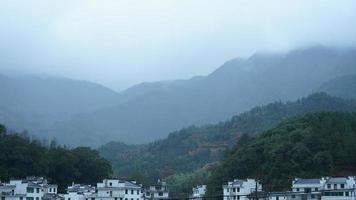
x=239 y=189
x=198 y=192
x=79 y=192
x=115 y=189
x=341 y=188
x=158 y=191
x=31 y=188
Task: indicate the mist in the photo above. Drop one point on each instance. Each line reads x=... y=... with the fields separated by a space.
x=122 y=43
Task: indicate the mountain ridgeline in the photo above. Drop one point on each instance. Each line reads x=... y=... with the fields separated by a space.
x=83 y=113
x=309 y=146
x=196 y=148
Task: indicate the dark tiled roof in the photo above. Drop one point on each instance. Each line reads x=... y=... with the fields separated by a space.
x=307 y=181
x=338 y=180
x=130 y=184
x=238 y=182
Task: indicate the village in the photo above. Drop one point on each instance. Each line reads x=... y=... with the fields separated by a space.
x=38 y=188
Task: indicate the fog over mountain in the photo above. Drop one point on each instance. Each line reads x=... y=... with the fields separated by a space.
x=90 y=72
x=84 y=113
x=120 y=43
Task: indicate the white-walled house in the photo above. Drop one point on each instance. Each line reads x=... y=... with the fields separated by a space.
x=115 y=189
x=277 y=196
x=79 y=192
x=158 y=191
x=239 y=189
x=199 y=192
x=340 y=188
x=31 y=188
x=307 y=189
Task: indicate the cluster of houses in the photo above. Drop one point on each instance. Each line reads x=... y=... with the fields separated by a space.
x=37 y=188
x=326 y=188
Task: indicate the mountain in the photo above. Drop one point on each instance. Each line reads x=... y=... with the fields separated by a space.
x=309 y=146
x=344 y=87
x=34 y=103
x=154 y=109
x=195 y=148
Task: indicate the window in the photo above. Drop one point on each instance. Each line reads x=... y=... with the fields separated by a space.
x=132 y=192
x=126 y=192
x=110 y=183
x=160 y=194
x=342 y=185
x=2 y=198
x=297 y=189
x=92 y=198
x=29 y=198
x=227 y=189
x=238 y=189
x=277 y=198
x=335 y=186
x=138 y=191
x=50 y=189
x=37 y=198
x=30 y=190
x=313 y=196
x=329 y=186
x=233 y=189
x=293 y=196
x=38 y=190
x=316 y=189
x=347 y=194
x=21 y=198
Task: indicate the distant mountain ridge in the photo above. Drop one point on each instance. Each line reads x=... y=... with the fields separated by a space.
x=344 y=86
x=36 y=102
x=83 y=113
x=237 y=86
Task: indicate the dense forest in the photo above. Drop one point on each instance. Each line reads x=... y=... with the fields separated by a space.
x=21 y=156
x=187 y=157
x=313 y=145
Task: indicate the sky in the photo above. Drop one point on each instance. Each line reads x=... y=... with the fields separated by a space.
x=119 y=43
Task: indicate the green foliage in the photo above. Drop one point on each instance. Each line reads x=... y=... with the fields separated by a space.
x=21 y=157
x=192 y=148
x=309 y=146
x=181 y=184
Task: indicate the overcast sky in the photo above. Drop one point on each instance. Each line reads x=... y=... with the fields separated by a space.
x=120 y=43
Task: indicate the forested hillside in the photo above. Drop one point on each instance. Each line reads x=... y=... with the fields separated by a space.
x=198 y=148
x=314 y=145
x=21 y=156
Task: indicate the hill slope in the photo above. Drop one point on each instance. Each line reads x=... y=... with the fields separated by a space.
x=344 y=87
x=34 y=103
x=237 y=86
x=314 y=145
x=21 y=157
x=194 y=147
